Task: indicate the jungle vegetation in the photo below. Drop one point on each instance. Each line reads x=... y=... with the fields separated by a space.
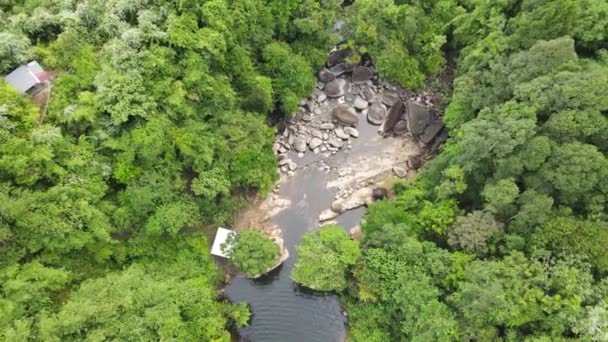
x=158 y=126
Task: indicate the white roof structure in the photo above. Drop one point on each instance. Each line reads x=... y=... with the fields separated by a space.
x=221 y=236
x=26 y=76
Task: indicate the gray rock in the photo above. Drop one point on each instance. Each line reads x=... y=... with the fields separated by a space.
x=355 y=233
x=389 y=98
x=337 y=207
x=431 y=131
x=346 y=115
x=291 y=139
x=369 y=94
x=336 y=88
x=376 y=114
x=315 y=133
x=339 y=56
x=360 y=103
x=418 y=117
x=326 y=76
x=284 y=162
x=379 y=193
x=310 y=105
x=336 y=143
x=399 y=171
x=299 y=144
x=394 y=114
x=352 y=132
x=292 y=166
x=306 y=117
x=362 y=74
x=340 y=69
x=327 y=125
x=400 y=127
x=322 y=97
x=315 y=142
x=284 y=168
x=341 y=134
x=327 y=215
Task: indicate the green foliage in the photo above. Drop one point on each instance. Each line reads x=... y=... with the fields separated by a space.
x=252 y=252
x=475 y=232
x=404 y=39
x=568 y=236
x=15 y=49
x=172 y=310
x=156 y=123
x=290 y=74
x=526 y=161
x=324 y=258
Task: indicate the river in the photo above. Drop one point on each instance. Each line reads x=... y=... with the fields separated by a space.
x=283 y=311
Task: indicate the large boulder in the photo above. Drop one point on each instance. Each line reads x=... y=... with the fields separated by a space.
x=339 y=56
x=362 y=74
x=376 y=114
x=299 y=144
x=390 y=97
x=400 y=127
x=346 y=115
x=369 y=94
x=326 y=76
x=394 y=115
x=431 y=131
x=336 y=88
x=418 y=117
x=360 y=103
x=340 y=69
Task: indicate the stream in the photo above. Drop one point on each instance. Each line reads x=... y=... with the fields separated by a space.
x=282 y=310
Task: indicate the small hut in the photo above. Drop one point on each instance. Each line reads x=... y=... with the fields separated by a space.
x=28 y=78
x=221 y=236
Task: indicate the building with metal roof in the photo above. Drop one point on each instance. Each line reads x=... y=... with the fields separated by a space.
x=28 y=78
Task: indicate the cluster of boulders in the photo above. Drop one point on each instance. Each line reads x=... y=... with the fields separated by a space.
x=347 y=94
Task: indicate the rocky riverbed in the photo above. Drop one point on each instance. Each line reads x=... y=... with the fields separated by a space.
x=338 y=153
x=349 y=98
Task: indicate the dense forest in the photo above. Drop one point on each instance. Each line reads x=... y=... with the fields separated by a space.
x=158 y=125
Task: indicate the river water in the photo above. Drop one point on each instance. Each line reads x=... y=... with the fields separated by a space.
x=283 y=311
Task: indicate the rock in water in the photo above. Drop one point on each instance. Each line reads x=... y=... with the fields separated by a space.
x=299 y=144
x=327 y=215
x=393 y=116
x=315 y=142
x=336 y=88
x=431 y=131
x=339 y=56
x=399 y=171
x=326 y=76
x=389 y=98
x=418 y=117
x=362 y=74
x=360 y=103
x=376 y=114
x=346 y=115
x=352 y=131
